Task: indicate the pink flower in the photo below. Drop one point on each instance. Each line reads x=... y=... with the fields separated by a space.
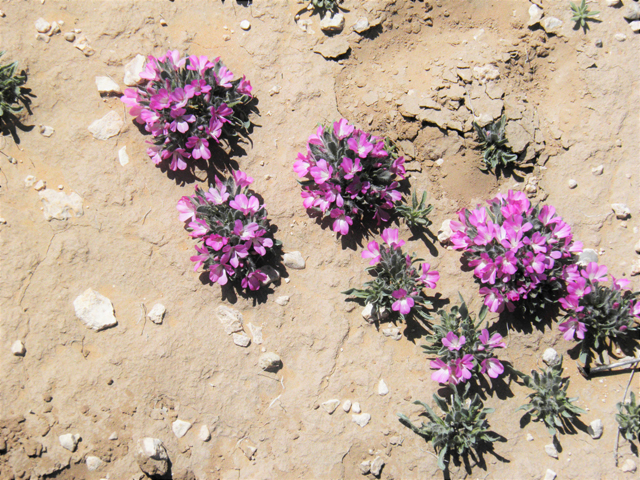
x=200 y=259
x=373 y=252
x=245 y=205
x=595 y=272
x=350 y=168
x=397 y=167
x=258 y=243
x=492 y=366
x=390 y=237
x=494 y=342
x=232 y=255
x=160 y=100
x=254 y=280
x=199 y=148
x=452 y=342
x=360 y=145
x=180 y=120
x=218 y=195
x=493 y=299
x=216 y=241
x=316 y=138
x=181 y=96
x=572 y=327
x=342 y=129
x=619 y=283
x=186 y=210
x=571 y=302
x=635 y=308
x=177 y=159
x=244 y=87
x=246 y=232
x=579 y=287
x=221 y=113
x=174 y=57
x=198 y=228
x=403 y=303
x=242 y=179
x=478 y=217
x=547 y=214
x=302 y=165
x=321 y=172
x=341 y=222
x=224 y=77
x=199 y=87
x=150 y=73
x=442 y=374
x=218 y=272
x=429 y=278
x=462 y=370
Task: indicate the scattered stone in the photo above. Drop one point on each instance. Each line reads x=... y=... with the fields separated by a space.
x=409 y=105
x=465 y=74
x=445 y=232
x=361 y=25
x=69 y=441
x=346 y=406
x=123 y=157
x=294 y=260
x=551 y=450
x=241 y=339
x=271 y=273
x=529 y=437
x=274 y=90
x=18 y=349
x=612 y=3
x=635 y=26
x=635 y=268
x=376 y=466
x=248 y=449
x=621 y=210
x=230 y=318
x=620 y=37
x=113 y=436
x=256 y=333
x=42 y=37
x=393 y=333
x=631 y=13
x=535 y=15
x=204 y=434
x=485 y=73
x=93 y=463
x=370 y=317
x=106 y=86
x=629 y=466
x=382 y=388
x=598 y=170
x=46 y=131
x=365 y=467
x=40 y=185
x=94 y=310
x=330 y=405
x=355 y=407
x=333 y=48
x=42 y=26
x=572 y=184
x=157 y=313
x=283 y=300
x=519 y=138
x=180 y=428
x=361 y=419
x=133 y=69
x=55 y=28
x=59 y=205
x=332 y=23
x=82 y=44
x=587 y=256
x=69 y=36
x=551 y=25
x=245 y=24
x=595 y=429
x=3 y=221
x=152 y=457
x=637 y=247
x=107 y=127
x=550 y=475
x=396 y=441
x=551 y=357
x=29 y=180
x=270 y=362
x=598 y=43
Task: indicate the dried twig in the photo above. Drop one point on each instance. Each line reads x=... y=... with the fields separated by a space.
x=588 y=372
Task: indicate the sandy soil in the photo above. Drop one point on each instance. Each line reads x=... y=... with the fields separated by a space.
x=580 y=103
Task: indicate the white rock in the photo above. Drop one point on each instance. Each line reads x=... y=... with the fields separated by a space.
x=365 y=467
x=93 y=463
x=393 y=333
x=382 y=388
x=529 y=437
x=230 y=318
x=330 y=405
x=445 y=232
x=598 y=170
x=157 y=313
x=180 y=428
x=245 y=25
x=355 y=407
x=123 y=157
x=270 y=361
x=376 y=466
x=17 y=348
x=346 y=406
x=107 y=86
x=632 y=11
x=46 y=131
x=294 y=260
x=637 y=247
x=535 y=15
x=69 y=36
x=113 y=436
x=635 y=268
x=621 y=210
x=133 y=69
x=283 y=300
x=29 y=180
x=612 y=3
x=551 y=450
x=551 y=24
x=204 y=434
x=59 y=205
x=550 y=475
x=551 y=357
x=69 y=441
x=106 y=127
x=333 y=48
x=587 y=256
x=361 y=419
x=572 y=183
x=595 y=429
x=248 y=449
x=55 y=28
x=486 y=73
x=152 y=457
x=94 y=310
x=332 y=23
x=621 y=37
x=361 y=25
x=629 y=466
x=635 y=26
x=241 y=339
x=256 y=333
x=40 y=185
x=42 y=26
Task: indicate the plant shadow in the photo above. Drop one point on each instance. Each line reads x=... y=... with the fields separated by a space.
x=10 y=124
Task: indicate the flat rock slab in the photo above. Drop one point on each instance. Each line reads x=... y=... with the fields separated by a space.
x=59 y=205
x=133 y=69
x=107 y=127
x=230 y=318
x=333 y=48
x=94 y=310
x=152 y=457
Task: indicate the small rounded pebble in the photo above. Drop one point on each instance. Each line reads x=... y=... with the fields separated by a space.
x=572 y=183
x=245 y=25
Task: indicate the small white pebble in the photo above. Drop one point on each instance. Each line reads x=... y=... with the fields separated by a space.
x=245 y=25
x=60 y=187
x=40 y=185
x=355 y=407
x=226 y=38
x=572 y=183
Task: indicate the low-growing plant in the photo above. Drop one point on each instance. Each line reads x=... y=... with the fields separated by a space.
x=14 y=96
x=549 y=401
x=349 y=175
x=461 y=431
x=415 y=215
x=323 y=6
x=236 y=242
x=397 y=286
x=188 y=105
x=582 y=15
x=462 y=347
x=518 y=252
x=595 y=313
x=628 y=418
x=496 y=154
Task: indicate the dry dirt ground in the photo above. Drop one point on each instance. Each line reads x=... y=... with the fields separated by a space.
x=578 y=103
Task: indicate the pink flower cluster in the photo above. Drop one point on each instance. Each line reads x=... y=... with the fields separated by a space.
x=517 y=251
x=233 y=231
x=187 y=104
x=348 y=173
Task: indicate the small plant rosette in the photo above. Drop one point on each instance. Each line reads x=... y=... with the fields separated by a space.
x=628 y=418
x=518 y=252
x=14 y=96
x=462 y=348
x=496 y=154
x=596 y=314
x=232 y=227
x=348 y=175
x=462 y=429
x=188 y=105
x=398 y=285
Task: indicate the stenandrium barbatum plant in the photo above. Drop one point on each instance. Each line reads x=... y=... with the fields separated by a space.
x=236 y=242
x=188 y=105
x=595 y=313
x=549 y=401
x=397 y=285
x=462 y=347
x=462 y=430
x=496 y=153
x=628 y=417
x=582 y=15
x=415 y=215
x=348 y=174
x=12 y=90
x=518 y=252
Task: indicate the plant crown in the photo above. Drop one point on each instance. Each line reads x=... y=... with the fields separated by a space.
x=494 y=143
